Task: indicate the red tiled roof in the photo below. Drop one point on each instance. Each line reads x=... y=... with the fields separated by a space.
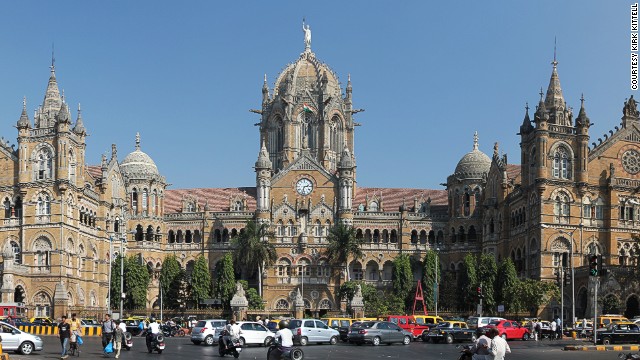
x=216 y=198
x=95 y=171
x=513 y=172
x=392 y=198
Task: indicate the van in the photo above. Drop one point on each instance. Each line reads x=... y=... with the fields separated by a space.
x=427 y=319
x=606 y=319
x=476 y=322
x=336 y=323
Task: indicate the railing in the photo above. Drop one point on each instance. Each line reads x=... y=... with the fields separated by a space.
x=632 y=183
x=184 y=246
x=377 y=214
x=144 y=244
x=11 y=222
x=561 y=129
x=380 y=246
x=184 y=216
x=43 y=219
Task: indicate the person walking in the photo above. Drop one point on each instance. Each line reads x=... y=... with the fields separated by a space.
x=559 y=328
x=480 y=349
x=108 y=327
x=76 y=330
x=499 y=347
x=64 y=332
x=118 y=334
x=554 y=330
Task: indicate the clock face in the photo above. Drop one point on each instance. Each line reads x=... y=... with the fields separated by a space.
x=304 y=186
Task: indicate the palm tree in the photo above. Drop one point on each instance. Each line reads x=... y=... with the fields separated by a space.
x=343 y=245
x=253 y=249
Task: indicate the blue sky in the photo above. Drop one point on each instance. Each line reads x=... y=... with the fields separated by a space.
x=185 y=73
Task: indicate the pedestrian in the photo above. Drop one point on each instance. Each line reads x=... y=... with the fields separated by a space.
x=10 y=321
x=108 y=327
x=117 y=338
x=583 y=333
x=499 y=347
x=559 y=327
x=554 y=330
x=532 y=327
x=64 y=332
x=259 y=320
x=538 y=329
x=480 y=349
x=76 y=330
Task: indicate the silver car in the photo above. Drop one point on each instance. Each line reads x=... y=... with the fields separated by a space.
x=14 y=339
x=379 y=332
x=312 y=331
x=207 y=331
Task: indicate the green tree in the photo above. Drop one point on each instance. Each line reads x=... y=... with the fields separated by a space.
x=610 y=304
x=402 y=277
x=255 y=300
x=225 y=285
x=429 y=277
x=254 y=250
x=115 y=283
x=487 y=274
x=507 y=285
x=536 y=293
x=200 y=282
x=136 y=283
x=467 y=282
x=171 y=282
x=449 y=294
x=374 y=304
x=343 y=245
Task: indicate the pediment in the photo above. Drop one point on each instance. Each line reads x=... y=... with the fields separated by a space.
x=303 y=162
x=630 y=134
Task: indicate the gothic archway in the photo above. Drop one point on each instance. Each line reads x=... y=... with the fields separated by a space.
x=581 y=306
x=19 y=294
x=633 y=307
x=610 y=305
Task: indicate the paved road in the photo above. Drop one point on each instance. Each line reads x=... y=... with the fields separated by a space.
x=182 y=347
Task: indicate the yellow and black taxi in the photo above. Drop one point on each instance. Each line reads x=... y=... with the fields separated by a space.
x=619 y=333
x=42 y=320
x=450 y=331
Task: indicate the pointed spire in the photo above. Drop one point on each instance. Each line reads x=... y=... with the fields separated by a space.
x=263 y=157
x=349 y=88
x=346 y=159
x=52 y=99
x=475 y=140
x=79 y=128
x=265 y=90
x=63 y=115
x=582 y=119
x=526 y=122
x=24 y=122
x=137 y=141
x=554 y=99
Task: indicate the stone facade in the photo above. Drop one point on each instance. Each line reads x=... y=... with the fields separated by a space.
x=567 y=200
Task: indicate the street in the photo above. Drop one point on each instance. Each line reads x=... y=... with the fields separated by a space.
x=183 y=348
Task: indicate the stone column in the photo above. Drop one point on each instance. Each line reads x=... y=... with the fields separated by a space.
x=239 y=303
x=60 y=301
x=357 y=303
x=298 y=306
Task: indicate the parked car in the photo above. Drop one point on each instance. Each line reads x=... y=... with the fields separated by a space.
x=14 y=339
x=345 y=331
x=207 y=331
x=428 y=320
x=619 y=332
x=379 y=332
x=511 y=329
x=90 y=323
x=408 y=323
x=253 y=333
x=42 y=320
x=476 y=322
x=133 y=326
x=314 y=331
x=606 y=319
x=450 y=331
x=336 y=323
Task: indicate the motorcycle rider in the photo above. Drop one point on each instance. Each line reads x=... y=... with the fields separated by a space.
x=480 y=348
x=284 y=338
x=154 y=330
x=233 y=331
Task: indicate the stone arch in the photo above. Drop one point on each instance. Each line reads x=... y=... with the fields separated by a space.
x=581 y=303
x=387 y=270
x=19 y=294
x=632 y=307
x=355 y=270
x=42 y=303
x=372 y=270
x=281 y=304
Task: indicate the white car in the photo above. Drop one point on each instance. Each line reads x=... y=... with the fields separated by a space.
x=14 y=339
x=207 y=331
x=254 y=333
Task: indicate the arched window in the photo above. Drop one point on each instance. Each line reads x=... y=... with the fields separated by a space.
x=172 y=236
x=304 y=266
x=145 y=198
x=44 y=166
x=292 y=229
x=6 y=204
x=284 y=268
x=562 y=163
x=237 y=206
x=72 y=167
x=134 y=202
x=533 y=164
x=561 y=208
x=154 y=201
x=44 y=205
x=42 y=302
x=414 y=236
x=373 y=206
x=282 y=304
x=42 y=249
x=318 y=228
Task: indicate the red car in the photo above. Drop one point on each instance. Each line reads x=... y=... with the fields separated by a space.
x=511 y=329
x=407 y=323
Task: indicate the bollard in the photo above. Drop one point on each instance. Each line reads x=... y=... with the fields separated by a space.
x=574 y=335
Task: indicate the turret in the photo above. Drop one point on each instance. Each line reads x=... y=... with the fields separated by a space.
x=263 y=180
x=79 y=127
x=541 y=119
x=265 y=91
x=346 y=173
x=582 y=126
x=23 y=122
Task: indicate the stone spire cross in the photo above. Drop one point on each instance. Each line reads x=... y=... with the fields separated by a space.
x=475 y=141
x=137 y=141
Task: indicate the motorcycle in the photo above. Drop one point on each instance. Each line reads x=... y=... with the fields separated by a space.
x=127 y=341
x=155 y=342
x=629 y=356
x=171 y=330
x=292 y=353
x=234 y=345
x=465 y=353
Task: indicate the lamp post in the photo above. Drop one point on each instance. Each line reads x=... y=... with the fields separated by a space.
x=435 y=284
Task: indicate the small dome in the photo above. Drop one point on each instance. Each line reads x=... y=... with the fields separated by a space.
x=138 y=162
x=306 y=72
x=473 y=164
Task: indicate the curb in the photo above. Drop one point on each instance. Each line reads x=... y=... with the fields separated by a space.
x=603 y=348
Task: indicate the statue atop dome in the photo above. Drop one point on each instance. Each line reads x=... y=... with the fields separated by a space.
x=307 y=36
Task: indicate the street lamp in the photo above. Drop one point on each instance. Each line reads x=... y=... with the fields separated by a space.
x=573 y=283
x=435 y=284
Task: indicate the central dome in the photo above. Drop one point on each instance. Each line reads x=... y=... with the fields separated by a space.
x=306 y=73
x=138 y=163
x=473 y=164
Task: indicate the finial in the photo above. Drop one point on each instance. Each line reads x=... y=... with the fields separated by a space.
x=349 y=77
x=526 y=106
x=79 y=109
x=582 y=100
x=265 y=78
x=555 y=62
x=541 y=94
x=475 y=141
x=24 y=103
x=495 y=149
x=53 y=58
x=137 y=141
x=62 y=96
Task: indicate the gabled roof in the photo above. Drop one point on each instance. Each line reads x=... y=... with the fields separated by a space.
x=217 y=199
x=514 y=172
x=393 y=198
x=95 y=171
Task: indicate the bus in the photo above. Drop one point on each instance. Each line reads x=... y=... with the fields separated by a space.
x=13 y=309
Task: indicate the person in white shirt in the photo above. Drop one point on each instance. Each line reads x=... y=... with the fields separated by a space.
x=284 y=337
x=480 y=348
x=123 y=326
x=234 y=333
x=553 y=330
x=154 y=329
x=499 y=347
